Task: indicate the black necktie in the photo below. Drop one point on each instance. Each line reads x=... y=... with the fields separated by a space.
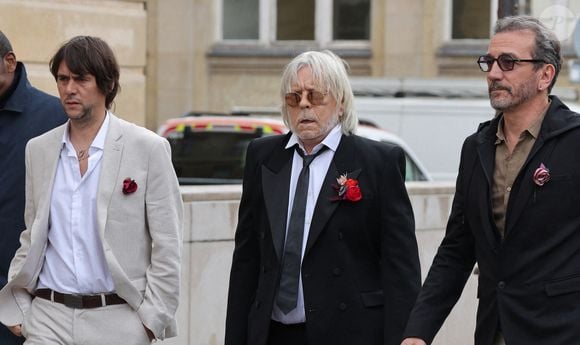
x=288 y=292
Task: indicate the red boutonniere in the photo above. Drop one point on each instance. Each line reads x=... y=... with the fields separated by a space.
x=541 y=175
x=347 y=189
x=129 y=186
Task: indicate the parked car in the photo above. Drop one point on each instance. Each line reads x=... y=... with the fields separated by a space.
x=210 y=149
x=415 y=171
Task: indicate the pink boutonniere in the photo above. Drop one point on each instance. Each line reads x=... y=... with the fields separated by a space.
x=347 y=189
x=541 y=175
x=129 y=186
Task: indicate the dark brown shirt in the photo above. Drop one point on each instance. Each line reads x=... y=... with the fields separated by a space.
x=507 y=167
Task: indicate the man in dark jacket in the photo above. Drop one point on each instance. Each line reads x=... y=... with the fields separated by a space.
x=325 y=249
x=516 y=210
x=25 y=112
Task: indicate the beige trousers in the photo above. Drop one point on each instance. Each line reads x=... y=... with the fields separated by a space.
x=51 y=323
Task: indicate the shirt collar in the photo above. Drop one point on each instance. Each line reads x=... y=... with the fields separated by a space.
x=98 y=142
x=499 y=136
x=533 y=130
x=331 y=140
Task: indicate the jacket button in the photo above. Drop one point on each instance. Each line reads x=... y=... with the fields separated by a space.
x=342 y=306
x=337 y=271
x=501 y=285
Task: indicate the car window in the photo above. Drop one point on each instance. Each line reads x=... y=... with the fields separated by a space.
x=413 y=173
x=412 y=170
x=209 y=157
x=209 y=151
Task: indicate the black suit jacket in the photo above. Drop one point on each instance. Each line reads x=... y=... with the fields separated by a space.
x=529 y=282
x=360 y=271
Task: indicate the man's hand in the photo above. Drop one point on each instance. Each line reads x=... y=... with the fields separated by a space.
x=413 y=341
x=16 y=329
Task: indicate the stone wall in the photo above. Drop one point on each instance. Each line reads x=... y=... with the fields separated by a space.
x=36 y=28
x=210 y=221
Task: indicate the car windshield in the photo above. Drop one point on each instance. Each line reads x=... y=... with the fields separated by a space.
x=413 y=173
x=210 y=157
x=212 y=149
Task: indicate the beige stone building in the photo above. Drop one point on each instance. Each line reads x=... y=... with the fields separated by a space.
x=37 y=28
x=214 y=55
x=183 y=55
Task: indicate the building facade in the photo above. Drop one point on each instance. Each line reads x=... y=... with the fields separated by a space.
x=37 y=28
x=216 y=55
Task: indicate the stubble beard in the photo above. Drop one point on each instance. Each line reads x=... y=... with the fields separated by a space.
x=323 y=130
x=513 y=99
x=84 y=117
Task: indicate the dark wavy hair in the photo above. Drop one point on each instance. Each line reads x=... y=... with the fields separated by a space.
x=85 y=55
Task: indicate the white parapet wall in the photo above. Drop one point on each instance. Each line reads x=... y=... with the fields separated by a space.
x=210 y=221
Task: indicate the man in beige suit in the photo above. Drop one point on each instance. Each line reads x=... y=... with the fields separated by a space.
x=100 y=257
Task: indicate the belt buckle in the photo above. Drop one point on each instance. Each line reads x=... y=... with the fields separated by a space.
x=73 y=301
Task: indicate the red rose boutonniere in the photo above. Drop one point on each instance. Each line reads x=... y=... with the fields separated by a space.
x=348 y=189
x=541 y=175
x=129 y=186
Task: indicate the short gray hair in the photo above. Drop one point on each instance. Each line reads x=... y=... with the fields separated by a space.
x=5 y=46
x=547 y=45
x=330 y=75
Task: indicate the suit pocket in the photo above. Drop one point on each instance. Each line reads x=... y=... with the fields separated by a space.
x=563 y=286
x=373 y=298
x=560 y=177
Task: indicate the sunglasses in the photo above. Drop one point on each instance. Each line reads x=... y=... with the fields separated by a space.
x=504 y=61
x=314 y=97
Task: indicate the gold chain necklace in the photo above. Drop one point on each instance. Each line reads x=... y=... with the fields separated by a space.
x=83 y=154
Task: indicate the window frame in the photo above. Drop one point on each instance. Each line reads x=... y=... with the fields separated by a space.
x=448 y=29
x=323 y=28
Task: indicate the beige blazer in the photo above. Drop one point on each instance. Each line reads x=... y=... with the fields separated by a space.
x=140 y=232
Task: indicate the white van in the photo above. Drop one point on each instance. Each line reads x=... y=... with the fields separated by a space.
x=433 y=116
x=434 y=127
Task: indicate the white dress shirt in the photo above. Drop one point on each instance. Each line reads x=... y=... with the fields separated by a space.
x=74 y=260
x=318 y=170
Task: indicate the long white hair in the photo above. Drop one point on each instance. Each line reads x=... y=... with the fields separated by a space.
x=330 y=75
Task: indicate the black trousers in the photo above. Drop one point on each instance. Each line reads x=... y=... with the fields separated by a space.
x=281 y=334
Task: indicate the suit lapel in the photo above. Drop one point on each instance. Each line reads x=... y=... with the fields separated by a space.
x=51 y=160
x=326 y=203
x=109 y=170
x=486 y=154
x=275 y=186
x=522 y=191
x=558 y=120
x=39 y=235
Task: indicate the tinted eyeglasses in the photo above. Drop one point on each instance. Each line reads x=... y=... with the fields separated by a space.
x=314 y=97
x=504 y=61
